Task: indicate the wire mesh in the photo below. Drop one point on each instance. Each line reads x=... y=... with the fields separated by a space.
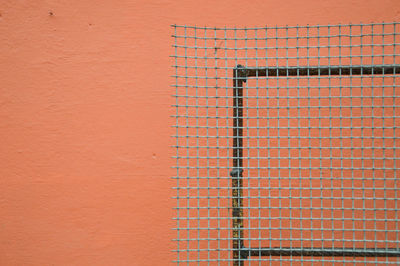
x=286 y=145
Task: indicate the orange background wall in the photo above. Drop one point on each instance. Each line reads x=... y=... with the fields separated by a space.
x=85 y=128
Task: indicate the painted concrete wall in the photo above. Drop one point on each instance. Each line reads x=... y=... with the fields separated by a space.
x=84 y=110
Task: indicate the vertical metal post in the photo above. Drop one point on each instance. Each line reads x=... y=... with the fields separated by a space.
x=239 y=76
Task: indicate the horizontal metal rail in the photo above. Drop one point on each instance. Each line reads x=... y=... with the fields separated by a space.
x=319 y=70
x=319 y=252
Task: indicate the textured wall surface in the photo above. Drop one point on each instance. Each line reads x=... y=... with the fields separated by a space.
x=85 y=128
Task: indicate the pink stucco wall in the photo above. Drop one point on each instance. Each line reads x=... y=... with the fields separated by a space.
x=85 y=128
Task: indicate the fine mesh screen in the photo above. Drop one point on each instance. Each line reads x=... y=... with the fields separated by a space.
x=287 y=144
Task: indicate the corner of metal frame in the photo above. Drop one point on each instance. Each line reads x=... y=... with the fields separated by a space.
x=241 y=73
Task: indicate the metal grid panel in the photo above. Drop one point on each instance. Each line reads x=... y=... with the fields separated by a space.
x=290 y=158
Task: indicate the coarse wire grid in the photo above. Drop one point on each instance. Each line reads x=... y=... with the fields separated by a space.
x=286 y=144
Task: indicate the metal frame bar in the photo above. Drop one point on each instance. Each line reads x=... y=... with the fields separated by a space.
x=240 y=74
x=236 y=173
x=319 y=252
